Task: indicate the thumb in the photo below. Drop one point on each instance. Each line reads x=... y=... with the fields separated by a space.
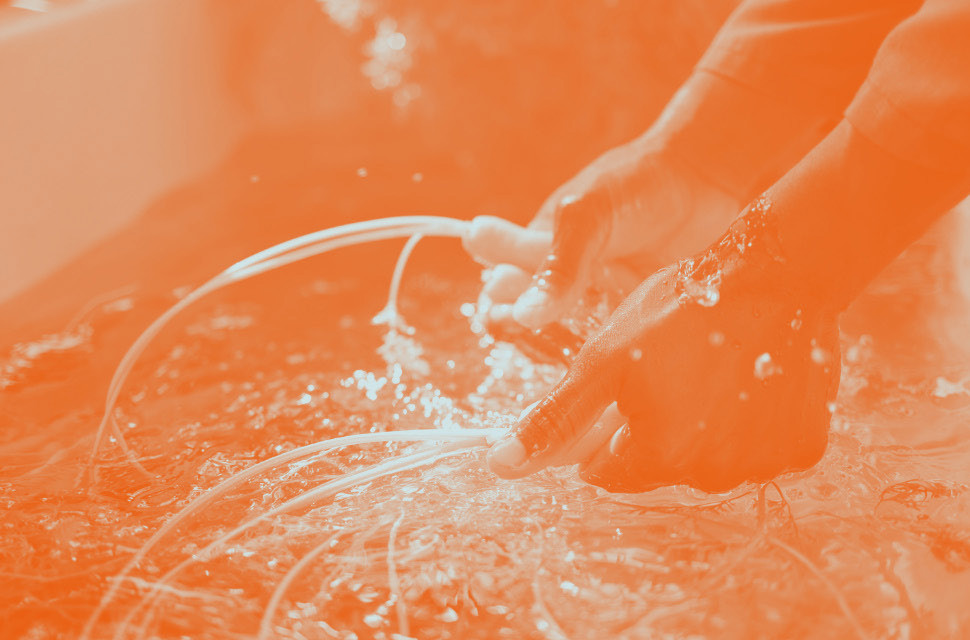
x=553 y=425
x=581 y=232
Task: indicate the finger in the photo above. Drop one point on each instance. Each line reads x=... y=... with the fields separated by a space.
x=579 y=238
x=506 y=283
x=632 y=464
x=595 y=438
x=616 y=280
x=496 y=241
x=621 y=467
x=638 y=458
x=557 y=422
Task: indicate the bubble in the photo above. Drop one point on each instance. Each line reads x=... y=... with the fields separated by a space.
x=945 y=388
x=765 y=367
x=569 y=587
x=819 y=355
x=397 y=41
x=859 y=351
x=636 y=354
x=716 y=338
x=362 y=172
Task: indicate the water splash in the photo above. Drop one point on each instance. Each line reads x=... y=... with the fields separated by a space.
x=695 y=288
x=765 y=367
x=277 y=256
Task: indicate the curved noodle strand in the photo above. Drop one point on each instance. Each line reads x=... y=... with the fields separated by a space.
x=470 y=436
x=390 y=314
x=282 y=254
x=395 y=465
x=266 y=622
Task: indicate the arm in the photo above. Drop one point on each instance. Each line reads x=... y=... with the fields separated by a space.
x=775 y=79
x=899 y=159
x=772 y=83
x=724 y=364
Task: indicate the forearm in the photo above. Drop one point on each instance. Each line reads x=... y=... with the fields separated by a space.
x=848 y=208
x=773 y=82
x=899 y=160
x=734 y=137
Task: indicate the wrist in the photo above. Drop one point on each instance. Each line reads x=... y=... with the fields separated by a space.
x=749 y=262
x=696 y=177
x=850 y=207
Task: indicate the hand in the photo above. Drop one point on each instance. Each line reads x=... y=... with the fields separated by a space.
x=723 y=371
x=634 y=209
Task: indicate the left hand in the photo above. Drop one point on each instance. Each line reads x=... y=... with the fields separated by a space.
x=632 y=210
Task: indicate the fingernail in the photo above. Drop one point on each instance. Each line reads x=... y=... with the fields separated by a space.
x=618 y=441
x=530 y=305
x=509 y=453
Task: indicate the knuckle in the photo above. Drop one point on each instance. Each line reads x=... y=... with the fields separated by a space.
x=562 y=414
x=556 y=420
x=576 y=214
x=540 y=430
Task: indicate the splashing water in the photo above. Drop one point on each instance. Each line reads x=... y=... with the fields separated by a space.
x=272 y=258
x=856 y=547
x=765 y=367
x=704 y=290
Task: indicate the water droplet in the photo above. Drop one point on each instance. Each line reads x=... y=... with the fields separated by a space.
x=704 y=290
x=569 y=587
x=819 y=355
x=944 y=388
x=764 y=367
x=449 y=615
x=397 y=41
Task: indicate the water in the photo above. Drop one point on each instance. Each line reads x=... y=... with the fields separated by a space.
x=872 y=542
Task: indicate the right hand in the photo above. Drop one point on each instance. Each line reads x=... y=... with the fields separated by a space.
x=721 y=367
x=633 y=209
